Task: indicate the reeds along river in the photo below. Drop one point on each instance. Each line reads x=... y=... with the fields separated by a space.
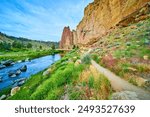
x=34 y=66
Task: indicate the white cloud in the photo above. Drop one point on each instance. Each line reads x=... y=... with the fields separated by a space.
x=40 y=22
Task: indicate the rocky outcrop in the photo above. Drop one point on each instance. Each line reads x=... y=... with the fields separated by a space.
x=125 y=95
x=14 y=90
x=102 y=15
x=66 y=39
x=3 y=97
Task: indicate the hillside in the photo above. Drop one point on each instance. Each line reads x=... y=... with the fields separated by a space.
x=36 y=44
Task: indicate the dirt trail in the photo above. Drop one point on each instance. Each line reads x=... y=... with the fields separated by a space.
x=119 y=84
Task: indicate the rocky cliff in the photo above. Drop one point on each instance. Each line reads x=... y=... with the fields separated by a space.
x=66 y=39
x=100 y=16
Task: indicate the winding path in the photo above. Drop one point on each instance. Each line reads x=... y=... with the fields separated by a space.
x=119 y=84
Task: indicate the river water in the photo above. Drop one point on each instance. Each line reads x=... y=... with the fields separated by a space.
x=34 y=66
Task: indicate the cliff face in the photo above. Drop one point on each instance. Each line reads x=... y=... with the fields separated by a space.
x=100 y=16
x=66 y=39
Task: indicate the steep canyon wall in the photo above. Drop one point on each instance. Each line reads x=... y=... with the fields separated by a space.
x=99 y=17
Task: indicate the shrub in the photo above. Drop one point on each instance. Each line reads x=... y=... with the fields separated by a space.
x=109 y=61
x=86 y=59
x=133 y=81
x=95 y=58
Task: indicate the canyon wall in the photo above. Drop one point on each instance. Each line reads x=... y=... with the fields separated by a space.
x=99 y=17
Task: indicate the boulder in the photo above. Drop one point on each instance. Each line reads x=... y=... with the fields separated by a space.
x=20 y=83
x=145 y=57
x=3 y=97
x=18 y=72
x=125 y=95
x=1 y=80
x=23 y=68
x=7 y=63
x=12 y=74
x=47 y=72
x=19 y=61
x=147 y=83
x=2 y=66
x=128 y=43
x=14 y=90
x=27 y=60
x=12 y=63
x=19 y=80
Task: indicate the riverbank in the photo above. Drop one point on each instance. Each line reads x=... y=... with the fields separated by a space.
x=33 y=67
x=27 y=54
x=71 y=78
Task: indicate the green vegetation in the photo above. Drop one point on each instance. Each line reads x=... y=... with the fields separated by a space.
x=5 y=91
x=22 y=55
x=10 y=43
x=50 y=87
x=86 y=59
x=95 y=57
x=94 y=89
x=21 y=48
x=91 y=82
x=64 y=82
x=133 y=81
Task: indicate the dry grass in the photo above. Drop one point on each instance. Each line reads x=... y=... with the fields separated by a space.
x=95 y=85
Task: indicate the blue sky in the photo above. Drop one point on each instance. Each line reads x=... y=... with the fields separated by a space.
x=40 y=19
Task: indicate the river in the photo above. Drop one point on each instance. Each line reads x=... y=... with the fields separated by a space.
x=33 y=67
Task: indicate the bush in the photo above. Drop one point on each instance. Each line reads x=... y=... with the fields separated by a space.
x=95 y=58
x=86 y=59
x=109 y=61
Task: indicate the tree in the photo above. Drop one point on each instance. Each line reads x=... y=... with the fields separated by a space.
x=40 y=47
x=16 y=44
x=1 y=46
x=53 y=46
x=5 y=46
x=29 y=45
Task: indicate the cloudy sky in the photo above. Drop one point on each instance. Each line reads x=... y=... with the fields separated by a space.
x=40 y=19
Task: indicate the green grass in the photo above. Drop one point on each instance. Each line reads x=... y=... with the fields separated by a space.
x=5 y=91
x=91 y=82
x=50 y=87
x=22 y=55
